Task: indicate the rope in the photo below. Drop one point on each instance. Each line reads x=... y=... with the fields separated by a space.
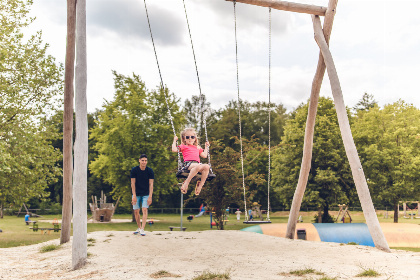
x=162 y=84
x=269 y=114
x=199 y=85
x=239 y=112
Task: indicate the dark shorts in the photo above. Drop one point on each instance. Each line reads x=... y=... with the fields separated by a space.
x=187 y=164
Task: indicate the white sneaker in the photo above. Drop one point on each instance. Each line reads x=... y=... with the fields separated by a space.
x=142 y=233
x=137 y=231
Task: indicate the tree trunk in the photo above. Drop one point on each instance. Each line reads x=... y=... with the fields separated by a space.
x=310 y=126
x=319 y=215
x=1 y=210
x=68 y=123
x=396 y=212
x=351 y=151
x=79 y=249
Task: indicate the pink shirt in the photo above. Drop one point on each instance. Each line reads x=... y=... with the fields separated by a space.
x=190 y=152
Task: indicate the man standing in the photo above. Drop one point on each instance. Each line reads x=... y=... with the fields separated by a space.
x=142 y=178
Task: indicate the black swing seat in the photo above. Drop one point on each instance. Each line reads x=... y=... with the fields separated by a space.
x=183 y=174
x=257 y=222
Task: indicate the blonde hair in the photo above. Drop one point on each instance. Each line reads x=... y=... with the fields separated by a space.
x=196 y=142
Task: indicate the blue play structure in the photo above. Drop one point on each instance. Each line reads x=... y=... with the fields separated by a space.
x=345 y=233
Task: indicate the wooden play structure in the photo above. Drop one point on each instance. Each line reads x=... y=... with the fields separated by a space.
x=345 y=218
x=103 y=211
x=326 y=62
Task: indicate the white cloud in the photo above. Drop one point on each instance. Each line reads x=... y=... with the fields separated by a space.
x=374 y=45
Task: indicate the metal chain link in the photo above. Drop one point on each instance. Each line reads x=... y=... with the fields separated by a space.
x=162 y=84
x=239 y=112
x=199 y=86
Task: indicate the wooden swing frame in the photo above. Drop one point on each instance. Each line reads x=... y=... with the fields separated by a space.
x=325 y=62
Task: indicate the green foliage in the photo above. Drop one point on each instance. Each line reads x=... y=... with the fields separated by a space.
x=330 y=181
x=254 y=122
x=226 y=188
x=207 y=275
x=164 y=274
x=388 y=142
x=135 y=122
x=30 y=89
x=368 y=273
x=49 y=248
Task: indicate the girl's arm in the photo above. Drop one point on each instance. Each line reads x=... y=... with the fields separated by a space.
x=174 y=148
x=205 y=152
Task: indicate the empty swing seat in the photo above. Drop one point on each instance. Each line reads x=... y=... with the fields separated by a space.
x=257 y=222
x=183 y=174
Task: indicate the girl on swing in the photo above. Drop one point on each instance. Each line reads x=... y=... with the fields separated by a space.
x=191 y=152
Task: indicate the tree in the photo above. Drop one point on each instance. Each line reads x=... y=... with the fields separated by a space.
x=197 y=111
x=254 y=122
x=135 y=122
x=330 y=180
x=366 y=103
x=388 y=141
x=227 y=189
x=30 y=89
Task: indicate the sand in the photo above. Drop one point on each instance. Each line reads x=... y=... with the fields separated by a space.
x=244 y=255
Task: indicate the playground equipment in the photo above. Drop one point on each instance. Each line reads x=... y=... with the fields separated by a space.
x=202 y=211
x=397 y=235
x=404 y=203
x=345 y=213
x=103 y=212
x=256 y=212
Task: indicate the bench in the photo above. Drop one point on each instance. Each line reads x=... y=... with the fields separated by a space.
x=28 y=222
x=183 y=228
x=46 y=230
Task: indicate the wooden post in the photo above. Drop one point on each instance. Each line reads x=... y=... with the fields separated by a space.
x=68 y=123
x=310 y=125
x=355 y=165
x=286 y=6
x=405 y=209
x=79 y=248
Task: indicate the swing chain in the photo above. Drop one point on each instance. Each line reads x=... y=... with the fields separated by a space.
x=239 y=112
x=199 y=85
x=269 y=115
x=162 y=87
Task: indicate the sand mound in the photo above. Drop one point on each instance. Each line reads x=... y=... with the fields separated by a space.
x=245 y=255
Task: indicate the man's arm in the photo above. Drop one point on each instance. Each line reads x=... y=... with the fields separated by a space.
x=149 y=200
x=133 y=190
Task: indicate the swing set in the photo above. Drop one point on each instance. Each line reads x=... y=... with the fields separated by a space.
x=322 y=36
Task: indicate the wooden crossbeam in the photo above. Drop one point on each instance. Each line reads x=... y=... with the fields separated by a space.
x=287 y=6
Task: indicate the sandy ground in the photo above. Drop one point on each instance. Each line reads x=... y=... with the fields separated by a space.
x=245 y=255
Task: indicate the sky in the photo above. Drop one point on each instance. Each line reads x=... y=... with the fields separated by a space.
x=375 y=45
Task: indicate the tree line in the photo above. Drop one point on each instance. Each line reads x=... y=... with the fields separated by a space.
x=137 y=121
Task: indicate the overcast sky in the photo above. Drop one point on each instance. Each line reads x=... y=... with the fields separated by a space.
x=375 y=45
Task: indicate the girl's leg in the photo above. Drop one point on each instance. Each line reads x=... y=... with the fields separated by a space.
x=205 y=168
x=194 y=169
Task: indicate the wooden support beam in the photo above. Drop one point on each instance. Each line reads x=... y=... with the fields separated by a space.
x=79 y=244
x=68 y=123
x=351 y=151
x=310 y=126
x=286 y=6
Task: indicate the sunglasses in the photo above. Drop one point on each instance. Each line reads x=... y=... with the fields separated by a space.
x=188 y=137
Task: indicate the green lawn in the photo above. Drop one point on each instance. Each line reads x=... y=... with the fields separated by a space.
x=17 y=233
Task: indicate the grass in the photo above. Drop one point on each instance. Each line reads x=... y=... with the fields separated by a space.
x=16 y=233
x=305 y=271
x=368 y=273
x=163 y=274
x=49 y=248
x=212 y=276
x=352 y=243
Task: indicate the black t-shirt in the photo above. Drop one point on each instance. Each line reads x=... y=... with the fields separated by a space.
x=142 y=179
